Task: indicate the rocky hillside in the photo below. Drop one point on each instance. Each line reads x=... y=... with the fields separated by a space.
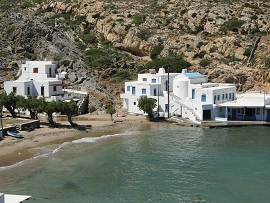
x=103 y=43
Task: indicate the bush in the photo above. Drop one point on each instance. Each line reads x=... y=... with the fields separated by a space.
x=88 y=38
x=123 y=75
x=138 y=19
x=144 y=34
x=92 y=109
x=10 y=29
x=204 y=62
x=30 y=56
x=175 y=63
x=233 y=25
x=201 y=53
x=248 y=51
x=156 y=51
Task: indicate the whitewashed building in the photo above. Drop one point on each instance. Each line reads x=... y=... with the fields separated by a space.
x=41 y=79
x=191 y=96
x=38 y=78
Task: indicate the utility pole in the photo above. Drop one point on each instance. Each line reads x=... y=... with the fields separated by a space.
x=168 y=91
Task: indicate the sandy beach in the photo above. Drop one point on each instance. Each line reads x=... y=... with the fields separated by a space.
x=13 y=150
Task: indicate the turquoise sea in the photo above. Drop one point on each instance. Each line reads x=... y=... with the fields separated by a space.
x=161 y=164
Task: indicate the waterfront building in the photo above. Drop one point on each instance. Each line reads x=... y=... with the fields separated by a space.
x=41 y=79
x=192 y=96
x=8 y=198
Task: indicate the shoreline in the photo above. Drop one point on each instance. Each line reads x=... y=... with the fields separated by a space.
x=15 y=150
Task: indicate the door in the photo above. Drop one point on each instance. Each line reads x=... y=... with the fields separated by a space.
x=268 y=115
x=155 y=92
x=42 y=91
x=206 y=114
x=133 y=90
x=233 y=114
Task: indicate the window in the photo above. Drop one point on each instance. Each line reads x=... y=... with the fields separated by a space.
x=226 y=95
x=143 y=91
x=14 y=90
x=54 y=88
x=35 y=70
x=128 y=88
x=218 y=97
x=166 y=85
x=223 y=96
x=233 y=96
x=215 y=98
x=203 y=98
x=258 y=111
x=230 y=96
x=144 y=79
x=193 y=94
x=154 y=80
x=134 y=103
x=24 y=69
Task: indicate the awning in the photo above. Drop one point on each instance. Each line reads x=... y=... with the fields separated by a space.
x=244 y=102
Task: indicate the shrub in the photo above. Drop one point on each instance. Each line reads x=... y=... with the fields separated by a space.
x=27 y=4
x=248 y=51
x=233 y=25
x=123 y=75
x=144 y=34
x=213 y=49
x=88 y=38
x=138 y=19
x=204 y=62
x=175 y=63
x=10 y=29
x=29 y=55
x=201 y=53
x=156 y=51
x=92 y=109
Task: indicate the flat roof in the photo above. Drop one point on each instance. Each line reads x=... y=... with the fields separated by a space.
x=8 y=198
x=195 y=74
x=244 y=102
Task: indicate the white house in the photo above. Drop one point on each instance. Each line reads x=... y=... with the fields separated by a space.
x=38 y=78
x=41 y=79
x=191 y=96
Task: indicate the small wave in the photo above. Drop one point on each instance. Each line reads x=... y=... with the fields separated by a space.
x=48 y=151
x=95 y=139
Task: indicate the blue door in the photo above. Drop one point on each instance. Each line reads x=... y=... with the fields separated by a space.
x=155 y=92
x=193 y=94
x=133 y=90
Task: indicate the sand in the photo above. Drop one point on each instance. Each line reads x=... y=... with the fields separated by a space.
x=13 y=150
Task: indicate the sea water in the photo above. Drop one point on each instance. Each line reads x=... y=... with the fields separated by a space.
x=165 y=164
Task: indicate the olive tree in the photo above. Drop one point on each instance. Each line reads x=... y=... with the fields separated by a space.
x=147 y=105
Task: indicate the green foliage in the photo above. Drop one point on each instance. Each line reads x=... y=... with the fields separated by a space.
x=213 y=49
x=147 y=105
x=156 y=51
x=231 y=25
x=204 y=62
x=102 y=58
x=26 y=4
x=138 y=19
x=110 y=110
x=92 y=109
x=123 y=75
x=175 y=63
x=88 y=38
x=30 y=56
x=144 y=34
x=9 y=101
x=248 y=51
x=64 y=63
x=201 y=53
x=10 y=29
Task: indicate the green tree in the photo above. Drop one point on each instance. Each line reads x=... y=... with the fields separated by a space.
x=69 y=109
x=110 y=110
x=50 y=108
x=147 y=105
x=9 y=101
